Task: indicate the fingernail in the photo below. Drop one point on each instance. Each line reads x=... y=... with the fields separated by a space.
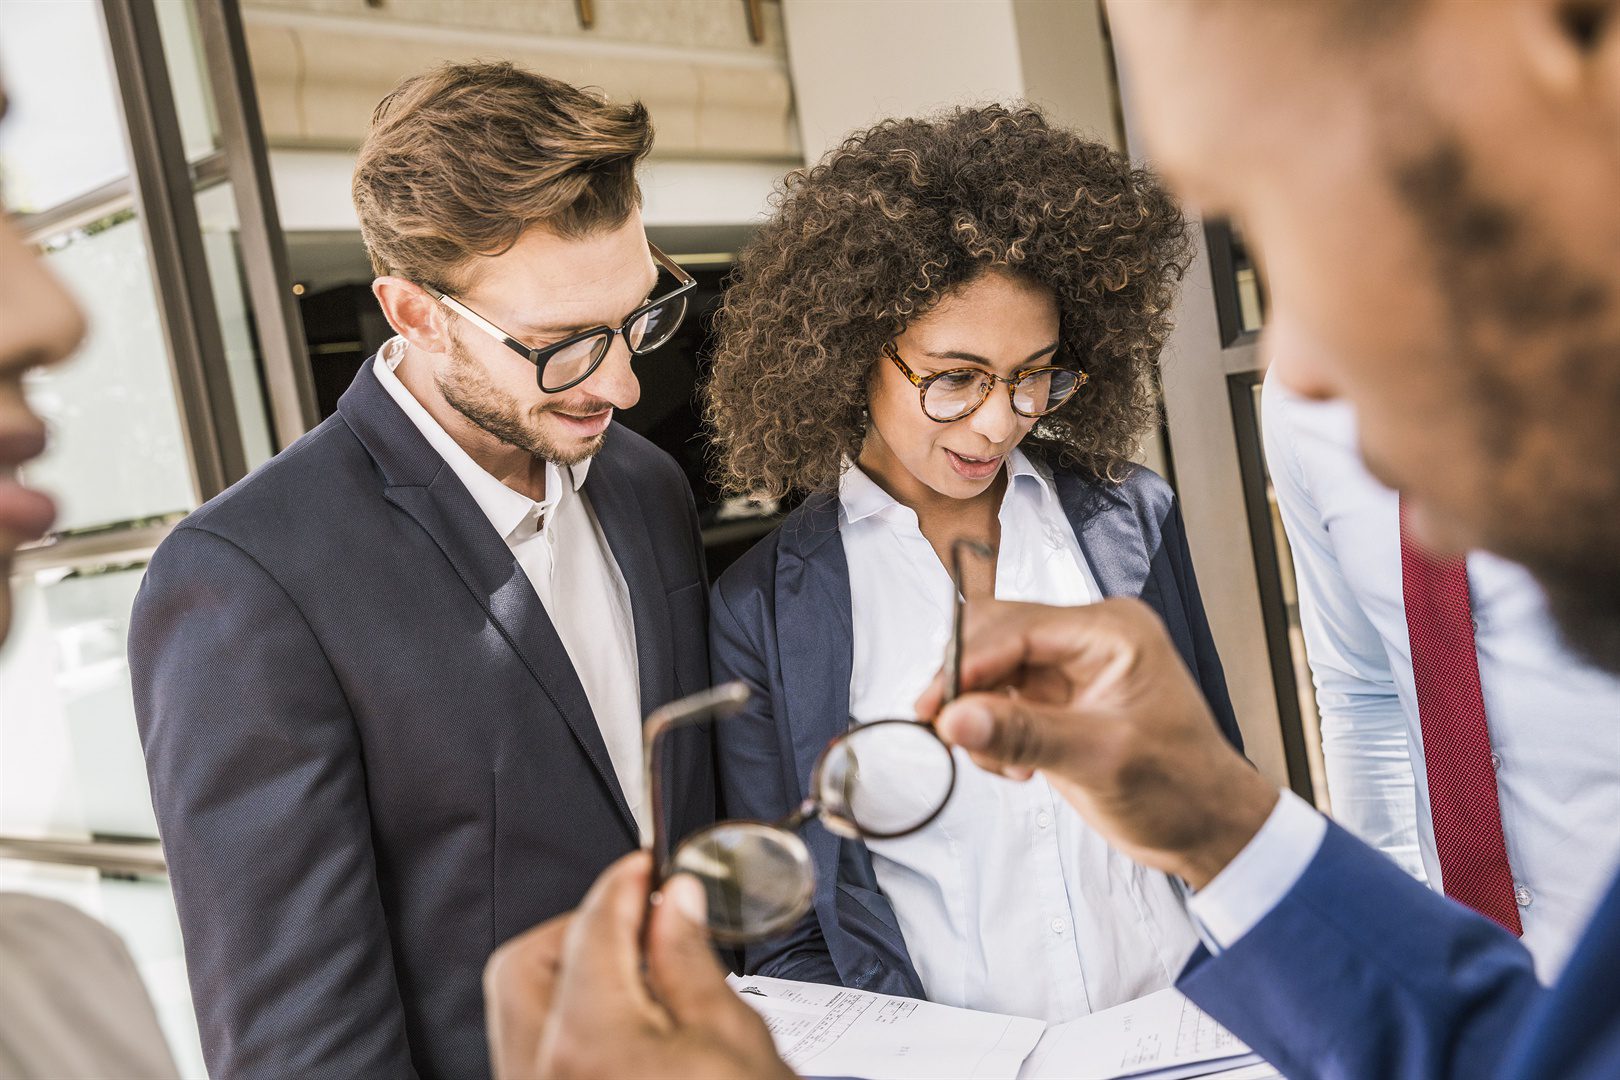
x=967 y=725
x=686 y=893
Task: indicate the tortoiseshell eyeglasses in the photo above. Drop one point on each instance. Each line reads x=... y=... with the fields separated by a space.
x=951 y=395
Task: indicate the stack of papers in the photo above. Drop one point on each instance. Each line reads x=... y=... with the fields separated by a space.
x=1159 y=1037
x=830 y=1031
x=827 y=1031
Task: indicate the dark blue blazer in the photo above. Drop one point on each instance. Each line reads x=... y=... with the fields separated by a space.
x=371 y=759
x=780 y=621
x=1361 y=971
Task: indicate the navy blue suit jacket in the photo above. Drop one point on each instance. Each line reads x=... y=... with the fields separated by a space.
x=781 y=623
x=371 y=759
x=1361 y=971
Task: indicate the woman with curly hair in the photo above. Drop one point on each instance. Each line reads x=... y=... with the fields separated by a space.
x=949 y=329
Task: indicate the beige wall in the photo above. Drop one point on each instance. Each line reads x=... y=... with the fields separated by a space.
x=322 y=65
x=857 y=61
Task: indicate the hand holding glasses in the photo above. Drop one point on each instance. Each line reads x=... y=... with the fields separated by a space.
x=758 y=875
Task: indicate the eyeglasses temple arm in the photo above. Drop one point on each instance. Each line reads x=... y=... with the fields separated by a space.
x=717 y=703
x=953 y=651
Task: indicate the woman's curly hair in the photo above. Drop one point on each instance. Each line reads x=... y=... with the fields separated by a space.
x=888 y=224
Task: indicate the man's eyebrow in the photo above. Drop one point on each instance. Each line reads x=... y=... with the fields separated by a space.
x=562 y=330
x=974 y=358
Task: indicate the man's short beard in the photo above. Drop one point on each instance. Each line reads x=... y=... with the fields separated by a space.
x=468 y=390
x=1584 y=605
x=1506 y=281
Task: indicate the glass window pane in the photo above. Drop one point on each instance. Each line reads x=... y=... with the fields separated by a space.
x=70 y=756
x=141 y=911
x=117 y=450
x=216 y=210
x=64 y=135
x=182 y=49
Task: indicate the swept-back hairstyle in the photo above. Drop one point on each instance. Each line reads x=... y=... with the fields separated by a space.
x=462 y=159
x=889 y=223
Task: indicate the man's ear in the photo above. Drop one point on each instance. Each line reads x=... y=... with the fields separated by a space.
x=1574 y=49
x=414 y=315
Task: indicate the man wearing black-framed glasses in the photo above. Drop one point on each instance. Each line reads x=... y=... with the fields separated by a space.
x=391 y=687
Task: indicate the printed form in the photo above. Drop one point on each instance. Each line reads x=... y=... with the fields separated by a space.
x=1159 y=1037
x=833 y=1031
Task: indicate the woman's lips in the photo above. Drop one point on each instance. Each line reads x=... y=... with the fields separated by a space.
x=973 y=468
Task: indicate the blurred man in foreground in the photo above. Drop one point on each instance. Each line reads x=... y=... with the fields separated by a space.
x=71 y=1001
x=1432 y=186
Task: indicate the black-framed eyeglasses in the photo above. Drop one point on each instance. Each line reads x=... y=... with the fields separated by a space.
x=952 y=395
x=571 y=361
x=758 y=875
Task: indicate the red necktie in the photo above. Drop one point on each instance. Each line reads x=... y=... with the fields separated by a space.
x=1456 y=743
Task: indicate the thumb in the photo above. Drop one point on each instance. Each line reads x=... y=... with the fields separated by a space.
x=681 y=965
x=1014 y=735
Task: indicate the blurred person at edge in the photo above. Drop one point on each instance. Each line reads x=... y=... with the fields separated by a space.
x=992 y=246
x=391 y=686
x=1431 y=185
x=71 y=1002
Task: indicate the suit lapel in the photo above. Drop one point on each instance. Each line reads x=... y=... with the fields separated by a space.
x=625 y=528
x=815 y=636
x=1110 y=537
x=417 y=480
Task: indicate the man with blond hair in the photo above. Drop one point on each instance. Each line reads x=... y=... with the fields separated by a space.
x=390 y=687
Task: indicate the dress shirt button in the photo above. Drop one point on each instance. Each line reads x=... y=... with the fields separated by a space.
x=1496 y=763
x=1043 y=819
x=1059 y=926
x=1521 y=895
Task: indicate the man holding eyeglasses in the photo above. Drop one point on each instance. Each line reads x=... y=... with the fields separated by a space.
x=391 y=686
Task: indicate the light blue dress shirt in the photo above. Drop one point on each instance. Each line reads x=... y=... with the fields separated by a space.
x=1554 y=721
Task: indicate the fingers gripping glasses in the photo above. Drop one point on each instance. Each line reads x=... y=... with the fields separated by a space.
x=758 y=875
x=571 y=361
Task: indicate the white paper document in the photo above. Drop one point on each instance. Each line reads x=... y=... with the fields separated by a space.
x=1162 y=1036
x=832 y=1031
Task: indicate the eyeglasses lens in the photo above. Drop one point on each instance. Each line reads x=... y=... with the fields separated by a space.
x=954 y=394
x=655 y=327
x=885 y=779
x=1041 y=392
x=757 y=877
x=573 y=363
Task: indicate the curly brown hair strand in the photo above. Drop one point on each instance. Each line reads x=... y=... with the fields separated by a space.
x=885 y=226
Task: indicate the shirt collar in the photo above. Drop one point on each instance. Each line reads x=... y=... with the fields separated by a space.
x=507 y=510
x=860 y=497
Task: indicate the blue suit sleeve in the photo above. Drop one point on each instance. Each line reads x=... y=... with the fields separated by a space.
x=259 y=787
x=756 y=781
x=1361 y=971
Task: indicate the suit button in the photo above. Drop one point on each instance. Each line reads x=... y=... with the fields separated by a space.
x=1521 y=896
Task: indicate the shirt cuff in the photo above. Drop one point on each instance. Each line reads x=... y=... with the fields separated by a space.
x=1261 y=875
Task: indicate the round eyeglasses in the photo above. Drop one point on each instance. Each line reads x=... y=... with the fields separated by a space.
x=571 y=361
x=952 y=395
x=877 y=781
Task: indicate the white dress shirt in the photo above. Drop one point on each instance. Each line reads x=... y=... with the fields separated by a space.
x=560 y=548
x=1008 y=902
x=1554 y=721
